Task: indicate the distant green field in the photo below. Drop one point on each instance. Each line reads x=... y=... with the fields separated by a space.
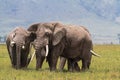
x=105 y=68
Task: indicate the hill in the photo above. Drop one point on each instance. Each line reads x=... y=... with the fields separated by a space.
x=102 y=17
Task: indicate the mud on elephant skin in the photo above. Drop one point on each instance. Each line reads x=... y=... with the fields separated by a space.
x=69 y=41
x=18 y=46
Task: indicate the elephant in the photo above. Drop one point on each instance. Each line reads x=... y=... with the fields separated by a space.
x=33 y=28
x=18 y=46
x=76 y=66
x=69 y=41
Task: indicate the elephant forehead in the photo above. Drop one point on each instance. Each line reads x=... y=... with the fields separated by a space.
x=40 y=31
x=19 y=40
x=21 y=31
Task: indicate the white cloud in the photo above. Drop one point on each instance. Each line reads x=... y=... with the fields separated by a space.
x=117 y=19
x=36 y=1
x=109 y=1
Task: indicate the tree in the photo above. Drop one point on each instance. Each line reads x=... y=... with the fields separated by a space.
x=119 y=37
x=0 y=38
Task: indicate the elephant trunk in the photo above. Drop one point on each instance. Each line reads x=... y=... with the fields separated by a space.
x=12 y=53
x=18 y=56
x=43 y=50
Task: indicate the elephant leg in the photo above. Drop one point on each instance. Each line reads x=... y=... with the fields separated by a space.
x=86 y=63
x=54 y=54
x=76 y=67
x=70 y=65
x=86 y=59
x=23 y=63
x=73 y=66
x=53 y=63
x=62 y=63
x=39 y=61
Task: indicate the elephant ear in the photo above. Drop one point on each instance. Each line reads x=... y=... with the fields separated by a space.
x=34 y=27
x=58 y=34
x=13 y=35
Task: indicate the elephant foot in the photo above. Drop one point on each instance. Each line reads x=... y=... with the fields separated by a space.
x=84 y=69
x=85 y=65
x=74 y=70
x=73 y=66
x=37 y=68
x=53 y=69
x=76 y=67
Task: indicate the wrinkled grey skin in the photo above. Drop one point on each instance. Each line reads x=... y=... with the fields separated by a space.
x=18 y=46
x=63 y=60
x=71 y=42
x=33 y=28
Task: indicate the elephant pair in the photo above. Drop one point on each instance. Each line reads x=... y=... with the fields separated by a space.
x=18 y=45
x=55 y=39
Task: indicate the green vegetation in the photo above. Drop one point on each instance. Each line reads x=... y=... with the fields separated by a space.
x=105 y=68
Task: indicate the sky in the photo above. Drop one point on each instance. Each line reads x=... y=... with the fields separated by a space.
x=101 y=17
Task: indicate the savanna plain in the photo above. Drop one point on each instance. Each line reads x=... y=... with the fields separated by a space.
x=106 y=67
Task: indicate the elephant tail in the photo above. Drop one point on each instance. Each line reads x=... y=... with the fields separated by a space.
x=93 y=53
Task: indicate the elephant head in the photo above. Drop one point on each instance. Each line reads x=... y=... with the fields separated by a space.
x=47 y=36
x=18 y=45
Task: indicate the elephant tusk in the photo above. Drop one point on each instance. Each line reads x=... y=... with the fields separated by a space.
x=32 y=56
x=12 y=43
x=47 y=50
x=94 y=53
x=23 y=47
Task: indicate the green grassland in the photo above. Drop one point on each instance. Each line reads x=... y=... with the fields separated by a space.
x=107 y=67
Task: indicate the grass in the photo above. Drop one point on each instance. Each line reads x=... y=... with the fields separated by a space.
x=105 y=68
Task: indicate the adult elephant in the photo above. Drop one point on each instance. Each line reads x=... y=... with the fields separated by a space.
x=18 y=46
x=71 y=42
x=75 y=66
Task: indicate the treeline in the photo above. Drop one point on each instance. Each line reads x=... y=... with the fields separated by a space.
x=96 y=39
x=2 y=39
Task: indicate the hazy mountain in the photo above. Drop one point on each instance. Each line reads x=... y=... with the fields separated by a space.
x=101 y=17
